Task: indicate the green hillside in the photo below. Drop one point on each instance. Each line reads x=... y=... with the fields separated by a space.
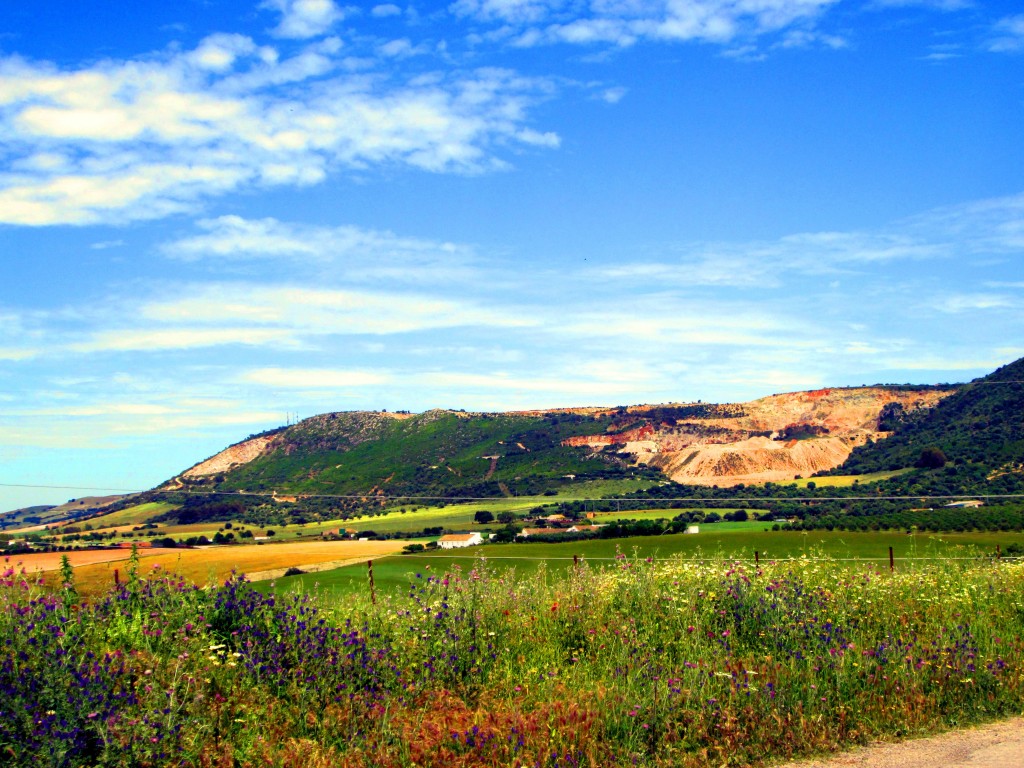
x=436 y=453
x=979 y=430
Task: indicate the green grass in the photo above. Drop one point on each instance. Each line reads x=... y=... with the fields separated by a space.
x=460 y=516
x=669 y=514
x=137 y=515
x=846 y=481
x=712 y=543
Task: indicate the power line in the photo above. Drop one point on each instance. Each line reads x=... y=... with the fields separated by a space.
x=69 y=487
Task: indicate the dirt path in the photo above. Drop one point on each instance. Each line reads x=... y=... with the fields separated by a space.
x=277 y=573
x=997 y=745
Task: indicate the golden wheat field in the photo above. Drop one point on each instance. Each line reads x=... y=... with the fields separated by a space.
x=211 y=564
x=50 y=561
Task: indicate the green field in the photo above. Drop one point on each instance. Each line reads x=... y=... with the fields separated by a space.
x=845 y=481
x=416 y=517
x=669 y=514
x=859 y=549
x=137 y=515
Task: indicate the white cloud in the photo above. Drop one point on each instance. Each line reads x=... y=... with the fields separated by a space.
x=305 y=18
x=128 y=140
x=624 y=22
x=993 y=228
x=361 y=254
x=613 y=95
x=572 y=386
x=767 y=263
x=937 y=5
x=515 y=11
x=18 y=353
x=157 y=339
x=106 y=409
x=971 y=302
x=1008 y=35
x=385 y=10
x=400 y=48
x=287 y=313
x=313 y=378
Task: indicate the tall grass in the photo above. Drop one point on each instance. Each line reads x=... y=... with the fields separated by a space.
x=637 y=663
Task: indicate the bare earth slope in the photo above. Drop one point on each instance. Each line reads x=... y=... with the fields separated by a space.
x=775 y=438
x=236 y=455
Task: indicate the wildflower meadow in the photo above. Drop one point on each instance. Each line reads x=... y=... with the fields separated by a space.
x=639 y=662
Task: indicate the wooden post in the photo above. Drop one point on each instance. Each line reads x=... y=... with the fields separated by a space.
x=999 y=553
x=892 y=562
x=117 y=578
x=369 y=571
x=757 y=557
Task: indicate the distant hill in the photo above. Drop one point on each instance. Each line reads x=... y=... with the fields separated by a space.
x=47 y=514
x=439 y=453
x=339 y=462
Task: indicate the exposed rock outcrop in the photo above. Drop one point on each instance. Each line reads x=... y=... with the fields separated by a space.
x=774 y=438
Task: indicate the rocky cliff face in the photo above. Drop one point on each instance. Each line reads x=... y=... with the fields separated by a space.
x=775 y=438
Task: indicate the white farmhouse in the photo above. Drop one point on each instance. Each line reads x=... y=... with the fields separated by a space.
x=456 y=540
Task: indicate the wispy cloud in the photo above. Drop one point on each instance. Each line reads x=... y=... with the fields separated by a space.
x=141 y=139
x=936 y=5
x=971 y=302
x=992 y=227
x=358 y=253
x=295 y=311
x=313 y=378
x=159 y=339
x=305 y=18
x=1008 y=35
x=535 y=22
x=18 y=353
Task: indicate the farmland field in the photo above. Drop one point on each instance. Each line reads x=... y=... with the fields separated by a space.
x=845 y=481
x=36 y=562
x=739 y=543
x=137 y=515
x=213 y=564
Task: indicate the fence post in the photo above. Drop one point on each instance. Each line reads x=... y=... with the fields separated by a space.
x=757 y=557
x=117 y=578
x=576 y=561
x=369 y=571
x=999 y=554
x=892 y=561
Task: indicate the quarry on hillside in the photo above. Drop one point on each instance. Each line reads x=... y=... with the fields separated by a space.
x=777 y=438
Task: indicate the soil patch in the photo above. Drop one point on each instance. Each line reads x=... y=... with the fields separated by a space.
x=997 y=745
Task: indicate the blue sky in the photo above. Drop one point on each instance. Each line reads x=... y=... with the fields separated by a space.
x=213 y=214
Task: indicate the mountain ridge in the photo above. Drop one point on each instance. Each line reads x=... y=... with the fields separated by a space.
x=772 y=438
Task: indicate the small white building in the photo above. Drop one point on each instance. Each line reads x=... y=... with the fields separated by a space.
x=528 y=532
x=456 y=540
x=693 y=529
x=585 y=528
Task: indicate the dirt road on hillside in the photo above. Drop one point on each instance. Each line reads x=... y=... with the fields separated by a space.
x=998 y=745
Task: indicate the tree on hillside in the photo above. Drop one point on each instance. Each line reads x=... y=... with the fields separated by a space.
x=483 y=516
x=931 y=457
